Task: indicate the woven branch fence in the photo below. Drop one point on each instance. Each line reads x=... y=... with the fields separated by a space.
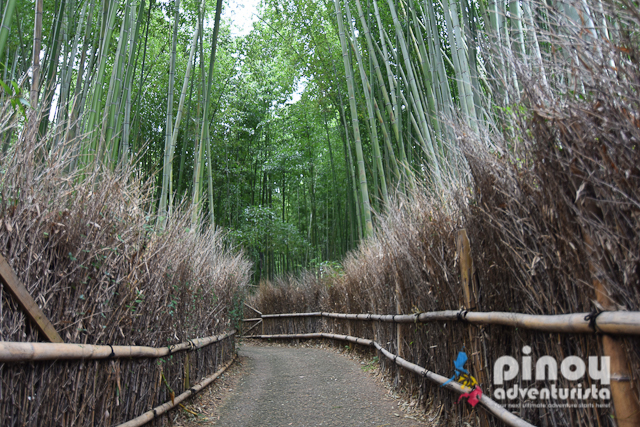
x=90 y=385
x=316 y=325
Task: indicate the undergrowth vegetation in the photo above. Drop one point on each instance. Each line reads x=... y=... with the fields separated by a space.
x=90 y=254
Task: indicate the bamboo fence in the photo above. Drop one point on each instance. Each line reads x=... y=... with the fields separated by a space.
x=31 y=352
x=104 y=384
x=606 y=322
x=602 y=322
x=159 y=410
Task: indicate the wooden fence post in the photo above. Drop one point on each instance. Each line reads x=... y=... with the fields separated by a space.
x=187 y=380
x=471 y=302
x=399 y=328
x=23 y=298
x=625 y=400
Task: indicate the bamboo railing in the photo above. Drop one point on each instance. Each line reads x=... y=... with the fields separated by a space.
x=606 y=322
x=31 y=351
x=159 y=410
x=16 y=352
x=489 y=404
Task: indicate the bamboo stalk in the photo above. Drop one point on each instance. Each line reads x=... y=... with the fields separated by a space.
x=383 y=90
x=252 y=328
x=125 y=104
x=315 y=314
x=435 y=162
x=159 y=410
x=37 y=45
x=349 y=164
x=29 y=351
x=115 y=88
x=169 y=140
x=471 y=300
x=364 y=191
x=489 y=404
x=254 y=309
x=6 y=24
x=89 y=150
x=390 y=78
x=368 y=95
x=165 y=200
x=609 y=322
x=204 y=131
x=67 y=72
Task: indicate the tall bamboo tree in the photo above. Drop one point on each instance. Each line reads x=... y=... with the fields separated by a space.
x=6 y=25
x=368 y=94
x=204 y=133
x=368 y=224
x=168 y=148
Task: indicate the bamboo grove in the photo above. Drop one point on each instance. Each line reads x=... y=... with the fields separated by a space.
x=295 y=136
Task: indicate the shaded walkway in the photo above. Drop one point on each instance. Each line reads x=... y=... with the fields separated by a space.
x=307 y=387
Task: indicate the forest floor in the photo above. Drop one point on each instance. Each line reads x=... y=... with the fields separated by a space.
x=308 y=385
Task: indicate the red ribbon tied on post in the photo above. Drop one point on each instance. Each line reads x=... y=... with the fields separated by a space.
x=473 y=397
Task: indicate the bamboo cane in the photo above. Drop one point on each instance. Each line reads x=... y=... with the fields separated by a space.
x=252 y=328
x=115 y=88
x=6 y=24
x=383 y=90
x=394 y=120
x=368 y=95
x=204 y=131
x=96 y=98
x=168 y=145
x=131 y=66
x=414 y=89
x=364 y=192
x=609 y=322
x=248 y=306
x=29 y=351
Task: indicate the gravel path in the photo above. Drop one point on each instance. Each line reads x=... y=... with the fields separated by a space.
x=307 y=387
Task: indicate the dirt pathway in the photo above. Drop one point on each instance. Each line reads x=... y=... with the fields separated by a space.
x=306 y=387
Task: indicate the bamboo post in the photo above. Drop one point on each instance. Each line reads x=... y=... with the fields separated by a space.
x=466 y=265
x=399 y=329
x=625 y=398
x=471 y=301
x=10 y=281
x=187 y=382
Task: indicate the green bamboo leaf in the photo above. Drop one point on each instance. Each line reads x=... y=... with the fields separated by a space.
x=5 y=87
